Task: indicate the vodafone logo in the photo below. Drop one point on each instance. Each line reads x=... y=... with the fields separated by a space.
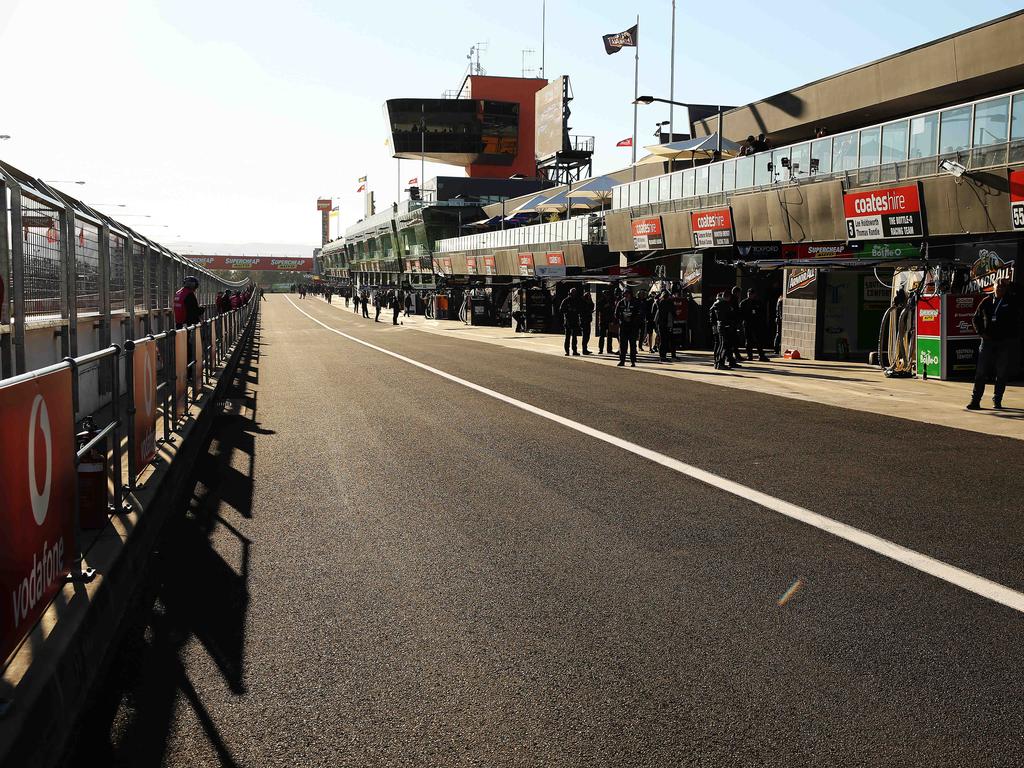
x=40 y=499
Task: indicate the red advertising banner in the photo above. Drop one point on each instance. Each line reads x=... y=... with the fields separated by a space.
x=181 y=371
x=551 y=265
x=929 y=316
x=144 y=391
x=712 y=229
x=444 y=265
x=267 y=263
x=37 y=500
x=197 y=369
x=817 y=251
x=526 y=264
x=1017 y=199
x=324 y=204
x=213 y=344
x=648 y=234
x=555 y=259
x=489 y=266
x=471 y=268
x=883 y=213
x=960 y=309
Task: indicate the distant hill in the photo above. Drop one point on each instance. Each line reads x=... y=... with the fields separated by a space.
x=187 y=248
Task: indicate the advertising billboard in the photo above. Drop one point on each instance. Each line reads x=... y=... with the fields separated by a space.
x=471 y=267
x=489 y=266
x=37 y=500
x=883 y=213
x=144 y=368
x=267 y=263
x=712 y=229
x=1017 y=199
x=550 y=118
x=550 y=265
x=526 y=264
x=648 y=234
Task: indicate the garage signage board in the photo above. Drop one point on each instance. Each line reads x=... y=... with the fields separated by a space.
x=648 y=234
x=1017 y=199
x=712 y=229
x=879 y=214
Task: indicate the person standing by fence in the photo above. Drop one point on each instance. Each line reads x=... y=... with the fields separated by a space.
x=186 y=306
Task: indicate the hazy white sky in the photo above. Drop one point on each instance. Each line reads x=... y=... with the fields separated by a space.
x=224 y=120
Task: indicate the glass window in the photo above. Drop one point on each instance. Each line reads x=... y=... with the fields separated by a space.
x=1017 y=118
x=728 y=175
x=800 y=160
x=922 y=136
x=643 y=192
x=894 y=142
x=844 y=152
x=821 y=156
x=870 y=143
x=744 y=172
x=688 y=176
x=955 y=130
x=780 y=171
x=664 y=192
x=990 y=121
x=715 y=177
x=762 y=174
x=701 y=180
x=677 y=185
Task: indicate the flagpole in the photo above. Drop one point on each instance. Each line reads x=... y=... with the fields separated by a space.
x=636 y=89
x=672 y=78
x=398 y=181
x=423 y=148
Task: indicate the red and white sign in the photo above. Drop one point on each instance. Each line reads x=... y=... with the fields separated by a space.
x=929 y=316
x=444 y=265
x=181 y=371
x=553 y=265
x=471 y=267
x=37 y=500
x=712 y=229
x=489 y=266
x=625 y=142
x=324 y=204
x=144 y=386
x=1017 y=199
x=883 y=213
x=526 y=264
x=648 y=234
x=267 y=263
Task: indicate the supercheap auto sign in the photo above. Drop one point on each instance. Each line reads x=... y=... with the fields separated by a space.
x=883 y=213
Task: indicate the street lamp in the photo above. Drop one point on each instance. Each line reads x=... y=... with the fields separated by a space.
x=63 y=181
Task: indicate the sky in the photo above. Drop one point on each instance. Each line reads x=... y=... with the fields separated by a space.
x=223 y=121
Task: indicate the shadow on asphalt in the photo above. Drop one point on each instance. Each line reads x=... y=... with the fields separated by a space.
x=193 y=594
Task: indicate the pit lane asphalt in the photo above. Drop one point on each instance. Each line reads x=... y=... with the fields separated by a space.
x=381 y=567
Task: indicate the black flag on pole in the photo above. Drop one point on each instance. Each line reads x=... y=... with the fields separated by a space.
x=615 y=43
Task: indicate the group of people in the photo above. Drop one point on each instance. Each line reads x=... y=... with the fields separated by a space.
x=730 y=315
x=188 y=311
x=752 y=145
x=396 y=301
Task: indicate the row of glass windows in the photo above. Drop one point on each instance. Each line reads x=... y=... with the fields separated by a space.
x=575 y=229
x=948 y=131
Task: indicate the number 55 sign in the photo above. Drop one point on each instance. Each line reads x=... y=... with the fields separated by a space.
x=1017 y=199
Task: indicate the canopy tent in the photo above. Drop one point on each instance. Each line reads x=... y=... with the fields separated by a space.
x=560 y=201
x=691 y=149
x=596 y=188
x=530 y=206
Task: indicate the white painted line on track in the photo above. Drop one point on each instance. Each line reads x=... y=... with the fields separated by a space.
x=940 y=570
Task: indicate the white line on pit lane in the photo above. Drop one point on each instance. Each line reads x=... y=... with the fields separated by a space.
x=940 y=570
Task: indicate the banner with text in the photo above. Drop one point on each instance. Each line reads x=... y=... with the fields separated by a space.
x=526 y=264
x=712 y=229
x=1017 y=199
x=37 y=500
x=884 y=213
x=550 y=265
x=648 y=234
x=267 y=263
x=181 y=371
x=144 y=386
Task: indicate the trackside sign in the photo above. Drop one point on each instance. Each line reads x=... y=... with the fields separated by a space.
x=712 y=229
x=1017 y=199
x=883 y=213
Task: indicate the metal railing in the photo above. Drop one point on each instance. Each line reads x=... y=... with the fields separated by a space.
x=62 y=261
x=103 y=397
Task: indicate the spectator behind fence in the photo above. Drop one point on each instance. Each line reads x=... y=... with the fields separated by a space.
x=186 y=306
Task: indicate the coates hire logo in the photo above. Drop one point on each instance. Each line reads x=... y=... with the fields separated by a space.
x=711 y=221
x=893 y=200
x=46 y=567
x=647 y=227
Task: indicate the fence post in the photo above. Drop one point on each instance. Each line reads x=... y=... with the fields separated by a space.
x=104 y=298
x=115 y=435
x=77 y=573
x=18 y=277
x=6 y=366
x=147 y=287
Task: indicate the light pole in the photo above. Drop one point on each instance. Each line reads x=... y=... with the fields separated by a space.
x=63 y=181
x=719 y=109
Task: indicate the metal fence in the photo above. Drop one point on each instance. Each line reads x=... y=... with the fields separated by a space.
x=62 y=261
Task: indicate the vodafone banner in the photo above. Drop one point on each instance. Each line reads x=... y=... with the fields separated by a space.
x=37 y=498
x=648 y=234
x=1017 y=199
x=144 y=386
x=884 y=213
x=268 y=263
x=712 y=229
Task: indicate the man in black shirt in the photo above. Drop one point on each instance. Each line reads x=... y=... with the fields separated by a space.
x=723 y=323
x=570 y=309
x=752 y=314
x=628 y=314
x=586 y=305
x=997 y=321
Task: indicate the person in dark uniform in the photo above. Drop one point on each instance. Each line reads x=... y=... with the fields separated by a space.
x=586 y=305
x=998 y=322
x=723 y=322
x=665 y=316
x=570 y=310
x=396 y=306
x=778 y=324
x=752 y=315
x=365 y=300
x=605 y=318
x=628 y=314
